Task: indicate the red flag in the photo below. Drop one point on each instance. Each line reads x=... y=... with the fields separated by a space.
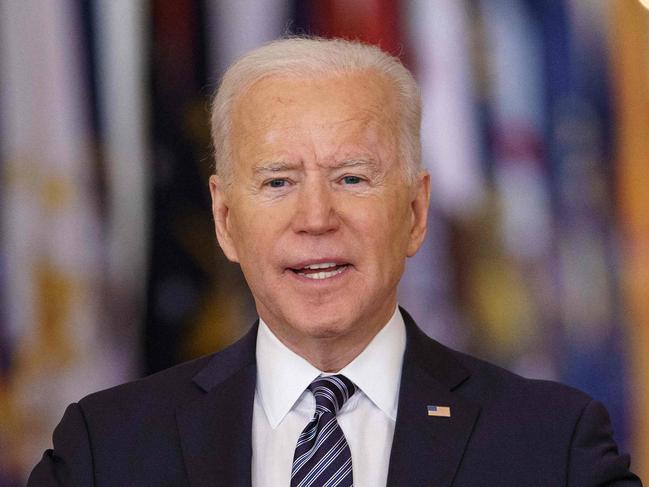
x=372 y=21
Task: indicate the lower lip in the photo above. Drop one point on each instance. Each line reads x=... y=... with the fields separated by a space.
x=322 y=277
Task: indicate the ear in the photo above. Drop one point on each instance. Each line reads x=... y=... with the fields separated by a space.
x=419 y=202
x=221 y=214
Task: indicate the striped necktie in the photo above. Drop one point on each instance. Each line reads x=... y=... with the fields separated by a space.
x=322 y=456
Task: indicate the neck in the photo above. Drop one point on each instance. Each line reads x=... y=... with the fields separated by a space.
x=330 y=352
x=330 y=355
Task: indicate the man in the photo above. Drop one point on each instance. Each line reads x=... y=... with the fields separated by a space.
x=319 y=195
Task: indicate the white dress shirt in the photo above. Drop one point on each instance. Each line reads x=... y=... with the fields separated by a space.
x=283 y=406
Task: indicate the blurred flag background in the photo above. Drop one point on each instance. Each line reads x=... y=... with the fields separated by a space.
x=535 y=130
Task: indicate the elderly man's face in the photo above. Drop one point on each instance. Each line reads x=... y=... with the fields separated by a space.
x=318 y=214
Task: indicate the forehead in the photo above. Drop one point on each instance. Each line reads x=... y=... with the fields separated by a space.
x=279 y=103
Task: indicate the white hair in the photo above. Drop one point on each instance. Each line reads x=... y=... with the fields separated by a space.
x=311 y=57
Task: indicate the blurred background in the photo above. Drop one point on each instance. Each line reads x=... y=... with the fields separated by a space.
x=535 y=131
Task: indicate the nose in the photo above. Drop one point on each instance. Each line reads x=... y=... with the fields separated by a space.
x=316 y=212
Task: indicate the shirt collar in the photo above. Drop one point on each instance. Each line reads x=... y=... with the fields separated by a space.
x=377 y=370
x=283 y=375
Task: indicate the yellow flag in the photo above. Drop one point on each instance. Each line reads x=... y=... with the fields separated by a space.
x=629 y=48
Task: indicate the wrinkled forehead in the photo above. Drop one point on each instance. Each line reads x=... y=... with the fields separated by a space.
x=282 y=101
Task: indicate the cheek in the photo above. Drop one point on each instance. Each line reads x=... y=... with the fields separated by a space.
x=396 y=232
x=256 y=263
x=247 y=236
x=383 y=230
x=257 y=236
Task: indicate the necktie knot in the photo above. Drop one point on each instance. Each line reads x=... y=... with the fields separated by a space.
x=331 y=392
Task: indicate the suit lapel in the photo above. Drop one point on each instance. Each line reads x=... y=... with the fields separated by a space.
x=216 y=429
x=427 y=450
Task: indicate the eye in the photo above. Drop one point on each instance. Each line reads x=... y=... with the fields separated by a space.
x=351 y=180
x=277 y=183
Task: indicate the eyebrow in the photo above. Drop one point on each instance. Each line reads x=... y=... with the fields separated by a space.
x=273 y=167
x=280 y=166
x=355 y=163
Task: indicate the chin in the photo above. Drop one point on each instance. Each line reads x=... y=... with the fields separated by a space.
x=323 y=326
x=325 y=331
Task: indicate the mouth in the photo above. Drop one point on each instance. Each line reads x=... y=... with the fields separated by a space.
x=319 y=271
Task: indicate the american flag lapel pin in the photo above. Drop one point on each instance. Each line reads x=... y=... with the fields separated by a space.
x=439 y=411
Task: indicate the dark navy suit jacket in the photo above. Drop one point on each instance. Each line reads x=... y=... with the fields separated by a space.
x=191 y=425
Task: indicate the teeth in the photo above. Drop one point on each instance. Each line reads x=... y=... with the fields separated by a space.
x=323 y=275
x=320 y=266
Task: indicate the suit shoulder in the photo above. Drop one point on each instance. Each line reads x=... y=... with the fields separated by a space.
x=489 y=385
x=497 y=384
x=167 y=387
x=176 y=385
x=563 y=429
